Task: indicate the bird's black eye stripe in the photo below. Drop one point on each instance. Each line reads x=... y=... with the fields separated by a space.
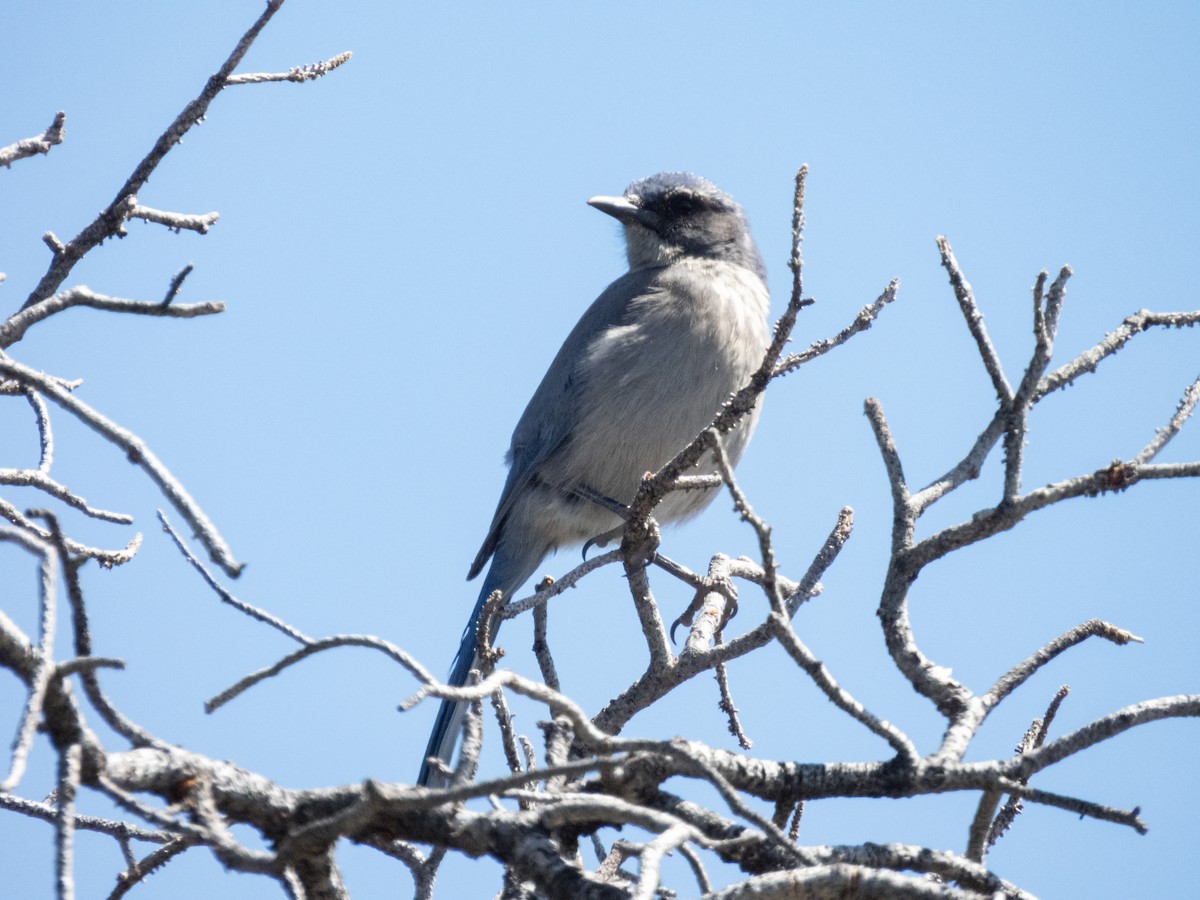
x=681 y=203
x=684 y=204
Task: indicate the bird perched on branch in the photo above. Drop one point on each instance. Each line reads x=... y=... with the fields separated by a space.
x=642 y=373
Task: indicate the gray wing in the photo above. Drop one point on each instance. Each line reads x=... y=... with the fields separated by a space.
x=549 y=418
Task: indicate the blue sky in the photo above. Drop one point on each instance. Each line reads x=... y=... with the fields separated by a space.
x=402 y=247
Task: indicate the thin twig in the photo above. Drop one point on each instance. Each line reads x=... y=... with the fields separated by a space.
x=121 y=831
x=970 y=311
x=111 y=219
x=106 y=558
x=177 y=222
x=35 y=145
x=1164 y=435
x=297 y=74
x=862 y=321
x=727 y=705
x=317 y=646
x=113 y=717
x=1088 y=360
x=843 y=699
x=68 y=784
x=14 y=328
x=541 y=647
x=43 y=668
x=891 y=457
x=176 y=284
x=1016 y=426
x=40 y=481
x=149 y=864
x=226 y=597
x=45 y=433
x=1019 y=674
x=1034 y=737
x=138 y=453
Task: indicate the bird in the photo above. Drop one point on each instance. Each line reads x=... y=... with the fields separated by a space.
x=646 y=369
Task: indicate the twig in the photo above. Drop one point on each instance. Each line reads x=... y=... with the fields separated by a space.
x=149 y=864
x=541 y=647
x=39 y=480
x=650 y=860
x=710 y=774
x=68 y=783
x=970 y=311
x=106 y=558
x=176 y=284
x=1117 y=476
x=1164 y=435
x=693 y=860
x=14 y=328
x=1034 y=737
x=891 y=461
x=35 y=145
x=138 y=453
x=1082 y=808
x=317 y=646
x=1019 y=674
x=43 y=668
x=226 y=597
x=964 y=726
x=966 y=469
x=981 y=823
x=297 y=74
x=728 y=707
x=1045 y=330
x=843 y=699
x=1088 y=360
x=222 y=843
x=546 y=592
x=697 y=658
x=508 y=737
x=111 y=219
x=1106 y=727
x=114 y=718
x=45 y=434
x=119 y=830
x=638 y=546
x=762 y=530
x=714 y=600
x=177 y=222
x=862 y=321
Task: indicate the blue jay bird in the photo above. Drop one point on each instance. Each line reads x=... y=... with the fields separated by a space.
x=642 y=373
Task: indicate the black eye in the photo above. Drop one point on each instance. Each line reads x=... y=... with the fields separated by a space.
x=682 y=205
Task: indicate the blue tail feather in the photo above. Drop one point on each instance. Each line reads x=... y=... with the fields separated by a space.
x=448 y=726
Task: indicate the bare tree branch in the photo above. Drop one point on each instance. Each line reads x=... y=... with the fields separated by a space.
x=35 y=145
x=226 y=597
x=296 y=74
x=1164 y=435
x=137 y=452
x=970 y=311
x=1088 y=360
x=68 y=783
x=199 y=222
x=18 y=323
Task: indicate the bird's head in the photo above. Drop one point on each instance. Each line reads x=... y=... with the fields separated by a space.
x=677 y=214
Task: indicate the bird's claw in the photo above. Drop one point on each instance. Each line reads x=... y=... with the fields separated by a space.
x=602 y=540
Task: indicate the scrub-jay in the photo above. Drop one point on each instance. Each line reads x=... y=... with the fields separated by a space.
x=643 y=372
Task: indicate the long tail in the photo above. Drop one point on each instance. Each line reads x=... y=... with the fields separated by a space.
x=447 y=728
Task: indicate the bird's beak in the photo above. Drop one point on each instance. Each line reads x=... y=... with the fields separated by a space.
x=624 y=210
